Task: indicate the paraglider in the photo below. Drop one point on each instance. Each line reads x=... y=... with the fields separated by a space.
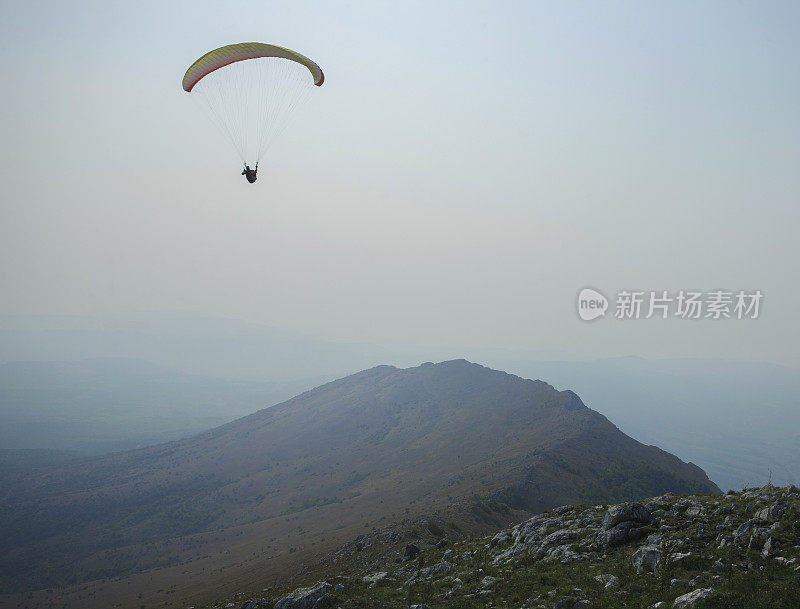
x=250 y=174
x=251 y=90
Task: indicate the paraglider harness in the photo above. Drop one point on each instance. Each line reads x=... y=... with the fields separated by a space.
x=250 y=174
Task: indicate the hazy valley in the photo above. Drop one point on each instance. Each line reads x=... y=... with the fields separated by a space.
x=96 y=384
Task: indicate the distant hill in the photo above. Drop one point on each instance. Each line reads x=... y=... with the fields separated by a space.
x=112 y=404
x=264 y=493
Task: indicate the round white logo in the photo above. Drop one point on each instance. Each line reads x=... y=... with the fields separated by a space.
x=591 y=304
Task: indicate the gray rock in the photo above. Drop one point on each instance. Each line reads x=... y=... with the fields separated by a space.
x=502 y=538
x=583 y=604
x=457 y=583
x=440 y=567
x=647 y=558
x=654 y=539
x=488 y=581
x=692 y=598
x=563 y=554
x=741 y=534
x=532 y=536
x=374 y=578
x=617 y=535
x=622 y=533
x=314 y=597
x=758 y=538
x=679 y=556
x=681 y=505
x=555 y=539
x=608 y=580
x=626 y=512
x=774 y=512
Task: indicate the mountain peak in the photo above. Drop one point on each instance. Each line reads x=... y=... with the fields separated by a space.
x=364 y=449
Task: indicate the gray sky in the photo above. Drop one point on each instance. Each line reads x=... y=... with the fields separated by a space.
x=463 y=172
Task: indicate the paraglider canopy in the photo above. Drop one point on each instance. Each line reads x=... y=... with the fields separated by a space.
x=251 y=90
x=223 y=56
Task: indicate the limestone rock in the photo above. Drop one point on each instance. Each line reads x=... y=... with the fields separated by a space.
x=692 y=598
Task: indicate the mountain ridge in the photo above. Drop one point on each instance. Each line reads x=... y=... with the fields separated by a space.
x=358 y=451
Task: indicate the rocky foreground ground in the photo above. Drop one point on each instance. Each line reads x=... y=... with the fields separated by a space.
x=741 y=549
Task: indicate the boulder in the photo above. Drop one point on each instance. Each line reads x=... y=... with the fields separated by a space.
x=502 y=538
x=692 y=598
x=647 y=558
x=774 y=512
x=608 y=580
x=758 y=538
x=314 y=597
x=440 y=567
x=554 y=540
x=623 y=533
x=740 y=537
x=374 y=578
x=626 y=512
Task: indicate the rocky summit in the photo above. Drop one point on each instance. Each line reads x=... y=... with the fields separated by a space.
x=741 y=549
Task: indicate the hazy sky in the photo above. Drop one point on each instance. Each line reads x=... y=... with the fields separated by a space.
x=466 y=168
